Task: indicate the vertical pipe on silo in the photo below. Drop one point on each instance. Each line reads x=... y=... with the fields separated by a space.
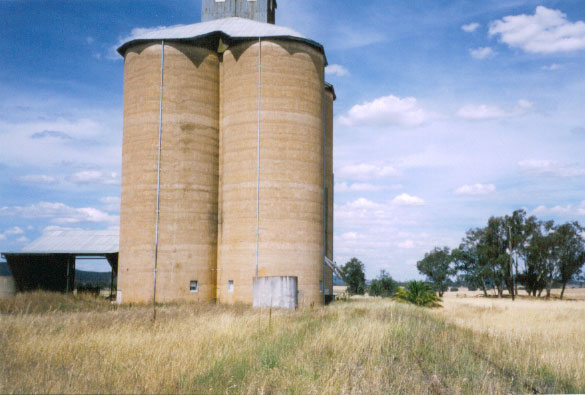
x=258 y=153
x=162 y=65
x=324 y=183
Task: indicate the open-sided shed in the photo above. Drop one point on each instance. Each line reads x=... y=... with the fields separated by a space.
x=48 y=263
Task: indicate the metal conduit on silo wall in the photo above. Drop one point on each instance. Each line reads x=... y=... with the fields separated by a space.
x=291 y=168
x=187 y=247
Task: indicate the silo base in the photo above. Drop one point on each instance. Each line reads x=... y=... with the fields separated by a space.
x=280 y=292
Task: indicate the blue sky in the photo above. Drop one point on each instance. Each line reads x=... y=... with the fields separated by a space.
x=447 y=112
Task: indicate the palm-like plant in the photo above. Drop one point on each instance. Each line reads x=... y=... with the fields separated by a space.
x=418 y=293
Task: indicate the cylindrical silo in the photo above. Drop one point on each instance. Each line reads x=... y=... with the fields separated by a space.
x=287 y=75
x=329 y=99
x=187 y=244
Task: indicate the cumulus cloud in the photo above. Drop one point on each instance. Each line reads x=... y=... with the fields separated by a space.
x=405 y=199
x=42 y=179
x=336 y=70
x=552 y=67
x=482 y=53
x=486 y=112
x=60 y=213
x=94 y=177
x=365 y=171
x=387 y=110
x=363 y=187
x=111 y=203
x=475 y=189
x=547 y=31
x=137 y=33
x=406 y=244
x=550 y=168
x=470 y=27
x=568 y=210
x=51 y=134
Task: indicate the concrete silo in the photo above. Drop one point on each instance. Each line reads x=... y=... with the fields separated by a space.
x=282 y=195
x=186 y=110
x=245 y=190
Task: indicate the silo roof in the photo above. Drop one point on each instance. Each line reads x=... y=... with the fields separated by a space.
x=234 y=28
x=78 y=242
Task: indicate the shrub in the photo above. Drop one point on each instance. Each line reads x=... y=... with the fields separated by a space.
x=453 y=289
x=418 y=293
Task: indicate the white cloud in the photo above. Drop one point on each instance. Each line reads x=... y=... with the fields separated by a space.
x=136 y=33
x=365 y=171
x=562 y=211
x=486 y=112
x=405 y=199
x=406 y=244
x=547 y=31
x=94 y=177
x=470 y=27
x=552 y=67
x=482 y=53
x=363 y=187
x=336 y=70
x=14 y=231
x=37 y=179
x=475 y=189
x=60 y=213
x=387 y=110
x=550 y=168
x=111 y=203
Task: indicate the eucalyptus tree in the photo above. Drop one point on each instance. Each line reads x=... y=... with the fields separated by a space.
x=436 y=265
x=571 y=252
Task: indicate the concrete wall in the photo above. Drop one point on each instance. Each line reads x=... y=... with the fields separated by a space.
x=189 y=173
x=329 y=168
x=7 y=286
x=280 y=292
x=291 y=168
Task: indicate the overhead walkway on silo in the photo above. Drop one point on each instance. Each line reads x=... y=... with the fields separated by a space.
x=48 y=263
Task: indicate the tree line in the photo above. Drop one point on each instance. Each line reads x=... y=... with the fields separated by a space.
x=511 y=251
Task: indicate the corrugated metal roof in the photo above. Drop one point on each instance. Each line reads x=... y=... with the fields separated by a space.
x=79 y=242
x=235 y=28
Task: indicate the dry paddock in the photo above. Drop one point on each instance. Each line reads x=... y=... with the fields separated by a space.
x=58 y=344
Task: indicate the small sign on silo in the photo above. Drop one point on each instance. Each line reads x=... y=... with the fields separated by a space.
x=276 y=291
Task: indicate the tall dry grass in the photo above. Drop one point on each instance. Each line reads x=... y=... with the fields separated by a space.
x=530 y=333
x=364 y=345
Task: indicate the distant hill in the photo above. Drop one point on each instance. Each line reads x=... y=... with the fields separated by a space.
x=338 y=281
x=101 y=278
x=4 y=270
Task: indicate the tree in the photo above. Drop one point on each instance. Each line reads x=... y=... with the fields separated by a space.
x=473 y=269
x=571 y=252
x=436 y=265
x=383 y=286
x=418 y=293
x=354 y=277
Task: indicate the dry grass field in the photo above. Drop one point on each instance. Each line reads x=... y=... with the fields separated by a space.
x=61 y=344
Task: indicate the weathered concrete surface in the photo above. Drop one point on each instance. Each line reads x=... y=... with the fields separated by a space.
x=280 y=292
x=189 y=173
x=7 y=286
x=291 y=168
x=258 y=10
x=208 y=195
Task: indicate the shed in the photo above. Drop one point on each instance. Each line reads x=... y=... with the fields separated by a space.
x=48 y=263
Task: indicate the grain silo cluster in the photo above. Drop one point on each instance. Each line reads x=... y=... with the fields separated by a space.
x=227 y=170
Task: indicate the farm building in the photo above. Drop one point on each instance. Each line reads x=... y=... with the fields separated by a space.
x=227 y=172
